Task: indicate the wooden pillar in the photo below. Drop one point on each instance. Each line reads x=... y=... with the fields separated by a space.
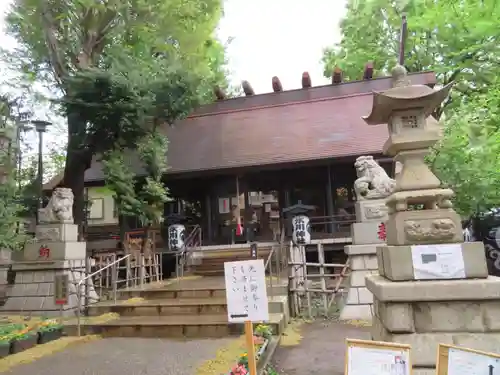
x=208 y=218
x=329 y=199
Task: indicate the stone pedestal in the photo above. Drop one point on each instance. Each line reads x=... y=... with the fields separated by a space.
x=426 y=313
x=357 y=300
x=56 y=251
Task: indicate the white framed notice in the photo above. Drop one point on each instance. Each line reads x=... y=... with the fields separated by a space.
x=444 y=261
x=454 y=360
x=224 y=206
x=365 y=357
x=246 y=292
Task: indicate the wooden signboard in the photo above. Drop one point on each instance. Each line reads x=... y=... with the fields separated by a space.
x=61 y=289
x=364 y=357
x=454 y=360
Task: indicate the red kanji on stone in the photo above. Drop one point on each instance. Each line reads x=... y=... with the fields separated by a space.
x=44 y=252
x=381 y=232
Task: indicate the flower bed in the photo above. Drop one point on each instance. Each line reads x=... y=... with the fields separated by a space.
x=261 y=336
x=17 y=337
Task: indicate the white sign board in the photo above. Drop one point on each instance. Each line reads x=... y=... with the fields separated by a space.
x=246 y=291
x=365 y=360
x=462 y=362
x=443 y=261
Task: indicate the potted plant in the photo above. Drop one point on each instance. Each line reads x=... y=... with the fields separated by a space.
x=49 y=330
x=23 y=340
x=263 y=330
x=4 y=346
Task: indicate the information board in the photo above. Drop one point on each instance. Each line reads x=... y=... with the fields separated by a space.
x=365 y=357
x=444 y=261
x=246 y=291
x=454 y=360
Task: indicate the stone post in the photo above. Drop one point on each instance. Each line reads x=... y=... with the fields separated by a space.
x=372 y=187
x=56 y=250
x=431 y=288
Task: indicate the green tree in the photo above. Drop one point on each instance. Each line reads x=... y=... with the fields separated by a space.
x=459 y=40
x=130 y=53
x=468 y=157
x=12 y=234
x=143 y=199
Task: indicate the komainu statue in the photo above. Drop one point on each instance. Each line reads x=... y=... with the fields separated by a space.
x=59 y=209
x=373 y=182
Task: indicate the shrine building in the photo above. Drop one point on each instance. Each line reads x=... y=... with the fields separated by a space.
x=274 y=150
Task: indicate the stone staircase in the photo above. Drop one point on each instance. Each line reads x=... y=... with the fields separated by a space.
x=212 y=259
x=195 y=307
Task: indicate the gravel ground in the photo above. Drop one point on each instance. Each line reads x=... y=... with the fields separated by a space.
x=126 y=356
x=321 y=351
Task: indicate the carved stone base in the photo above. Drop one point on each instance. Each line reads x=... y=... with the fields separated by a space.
x=57 y=232
x=33 y=290
x=56 y=251
x=424 y=227
x=396 y=264
x=371 y=210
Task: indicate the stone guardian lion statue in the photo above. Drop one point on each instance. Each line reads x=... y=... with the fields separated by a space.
x=373 y=182
x=59 y=209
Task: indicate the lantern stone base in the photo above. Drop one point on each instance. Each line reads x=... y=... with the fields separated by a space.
x=396 y=264
x=356 y=302
x=424 y=314
x=33 y=290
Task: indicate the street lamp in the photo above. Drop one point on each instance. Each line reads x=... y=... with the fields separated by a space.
x=40 y=127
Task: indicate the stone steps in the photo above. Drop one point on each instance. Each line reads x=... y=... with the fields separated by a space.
x=171 y=326
x=178 y=306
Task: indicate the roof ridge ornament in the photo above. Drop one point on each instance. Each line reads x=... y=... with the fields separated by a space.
x=400 y=76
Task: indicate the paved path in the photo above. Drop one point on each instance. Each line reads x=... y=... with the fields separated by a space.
x=126 y=356
x=321 y=351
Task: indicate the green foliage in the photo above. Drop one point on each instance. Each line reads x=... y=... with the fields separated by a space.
x=457 y=40
x=468 y=157
x=11 y=236
x=146 y=200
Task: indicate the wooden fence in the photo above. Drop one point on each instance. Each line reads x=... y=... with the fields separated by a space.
x=314 y=287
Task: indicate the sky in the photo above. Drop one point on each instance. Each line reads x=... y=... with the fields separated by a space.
x=269 y=38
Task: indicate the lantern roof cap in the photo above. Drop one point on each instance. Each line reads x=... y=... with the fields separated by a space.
x=298 y=208
x=404 y=96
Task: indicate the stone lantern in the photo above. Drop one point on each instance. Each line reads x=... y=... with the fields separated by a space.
x=431 y=287
x=407 y=110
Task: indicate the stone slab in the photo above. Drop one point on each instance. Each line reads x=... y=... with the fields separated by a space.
x=360 y=249
x=356 y=312
x=366 y=233
x=424 y=227
x=370 y=210
x=57 y=251
x=443 y=290
x=397 y=263
x=395 y=317
x=51 y=265
x=57 y=232
x=363 y=262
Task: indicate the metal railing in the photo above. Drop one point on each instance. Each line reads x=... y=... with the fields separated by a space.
x=114 y=273
x=277 y=256
x=182 y=257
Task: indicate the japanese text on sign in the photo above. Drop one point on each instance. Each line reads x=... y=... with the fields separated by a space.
x=246 y=291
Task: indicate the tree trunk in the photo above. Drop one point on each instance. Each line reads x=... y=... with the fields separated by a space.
x=78 y=160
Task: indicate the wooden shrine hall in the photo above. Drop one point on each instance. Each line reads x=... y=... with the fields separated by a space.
x=246 y=159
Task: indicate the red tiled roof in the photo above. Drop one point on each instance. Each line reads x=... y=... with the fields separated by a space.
x=290 y=126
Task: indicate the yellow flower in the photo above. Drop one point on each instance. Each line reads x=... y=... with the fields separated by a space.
x=244 y=355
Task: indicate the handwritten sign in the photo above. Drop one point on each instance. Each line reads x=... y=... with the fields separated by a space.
x=246 y=291
x=454 y=360
x=365 y=357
